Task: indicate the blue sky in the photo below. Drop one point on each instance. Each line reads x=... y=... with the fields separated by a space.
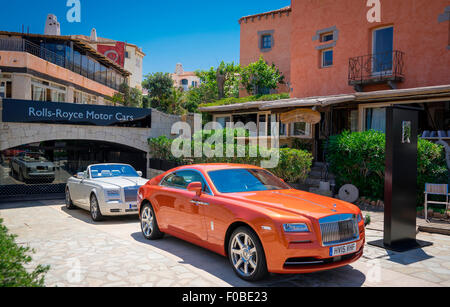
x=198 y=34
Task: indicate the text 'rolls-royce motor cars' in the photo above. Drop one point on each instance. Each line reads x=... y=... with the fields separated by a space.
x=252 y=217
x=105 y=190
x=32 y=166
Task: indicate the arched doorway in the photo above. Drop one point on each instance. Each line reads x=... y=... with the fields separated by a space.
x=42 y=169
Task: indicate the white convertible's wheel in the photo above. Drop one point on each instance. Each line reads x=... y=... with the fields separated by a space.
x=69 y=203
x=95 y=210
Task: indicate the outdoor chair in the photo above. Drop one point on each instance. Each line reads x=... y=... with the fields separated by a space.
x=436 y=189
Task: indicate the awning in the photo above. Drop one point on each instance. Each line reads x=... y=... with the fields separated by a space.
x=441 y=92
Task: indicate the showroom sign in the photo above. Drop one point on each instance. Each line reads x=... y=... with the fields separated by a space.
x=26 y=111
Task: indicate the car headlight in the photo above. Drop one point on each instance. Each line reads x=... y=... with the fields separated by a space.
x=298 y=227
x=112 y=194
x=360 y=218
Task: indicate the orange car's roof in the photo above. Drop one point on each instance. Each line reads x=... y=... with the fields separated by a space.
x=219 y=166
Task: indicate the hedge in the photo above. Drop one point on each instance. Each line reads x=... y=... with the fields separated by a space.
x=359 y=158
x=294 y=165
x=13 y=258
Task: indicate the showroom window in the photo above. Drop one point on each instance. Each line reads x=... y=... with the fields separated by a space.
x=46 y=91
x=5 y=86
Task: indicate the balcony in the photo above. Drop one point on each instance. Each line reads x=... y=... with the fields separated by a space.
x=377 y=68
x=81 y=64
x=22 y=45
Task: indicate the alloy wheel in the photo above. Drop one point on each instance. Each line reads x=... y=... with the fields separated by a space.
x=147 y=221
x=244 y=254
x=94 y=208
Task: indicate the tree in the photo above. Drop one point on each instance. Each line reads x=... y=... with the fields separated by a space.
x=258 y=77
x=173 y=104
x=223 y=81
x=159 y=86
x=127 y=96
x=228 y=79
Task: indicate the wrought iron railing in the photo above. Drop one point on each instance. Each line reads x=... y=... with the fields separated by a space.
x=24 y=45
x=375 y=68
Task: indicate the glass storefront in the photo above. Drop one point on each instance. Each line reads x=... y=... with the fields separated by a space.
x=45 y=167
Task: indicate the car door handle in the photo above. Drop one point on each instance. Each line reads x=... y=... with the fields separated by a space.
x=199 y=203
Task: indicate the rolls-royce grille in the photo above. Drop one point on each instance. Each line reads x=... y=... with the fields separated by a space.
x=131 y=194
x=343 y=229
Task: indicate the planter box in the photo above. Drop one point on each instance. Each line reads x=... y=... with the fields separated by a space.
x=155 y=164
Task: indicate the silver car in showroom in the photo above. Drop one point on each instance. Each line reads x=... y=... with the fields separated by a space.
x=105 y=190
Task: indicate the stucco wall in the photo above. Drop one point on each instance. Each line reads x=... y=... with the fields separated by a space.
x=417 y=32
x=280 y=54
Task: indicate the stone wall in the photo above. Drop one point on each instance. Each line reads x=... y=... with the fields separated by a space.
x=17 y=134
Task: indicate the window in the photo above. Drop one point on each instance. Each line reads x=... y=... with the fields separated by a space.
x=127 y=54
x=300 y=129
x=37 y=93
x=5 y=89
x=45 y=91
x=327 y=58
x=84 y=65
x=326 y=37
x=383 y=46
x=77 y=62
x=376 y=119
x=182 y=179
x=77 y=97
x=266 y=42
x=223 y=121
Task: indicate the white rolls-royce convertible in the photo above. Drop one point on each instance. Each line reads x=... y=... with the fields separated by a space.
x=105 y=190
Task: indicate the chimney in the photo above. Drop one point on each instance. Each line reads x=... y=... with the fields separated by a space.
x=93 y=35
x=179 y=69
x=52 y=26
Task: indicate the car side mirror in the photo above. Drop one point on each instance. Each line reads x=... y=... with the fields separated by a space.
x=140 y=173
x=80 y=175
x=196 y=187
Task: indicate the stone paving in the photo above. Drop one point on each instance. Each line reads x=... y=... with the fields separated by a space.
x=114 y=253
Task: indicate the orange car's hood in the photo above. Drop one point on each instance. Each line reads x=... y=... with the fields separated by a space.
x=297 y=202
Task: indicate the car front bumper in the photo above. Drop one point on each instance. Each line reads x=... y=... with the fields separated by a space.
x=308 y=256
x=119 y=209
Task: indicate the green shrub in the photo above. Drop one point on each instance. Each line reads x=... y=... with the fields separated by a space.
x=161 y=148
x=13 y=258
x=359 y=158
x=294 y=165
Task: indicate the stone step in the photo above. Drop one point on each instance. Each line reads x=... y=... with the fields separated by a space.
x=316 y=181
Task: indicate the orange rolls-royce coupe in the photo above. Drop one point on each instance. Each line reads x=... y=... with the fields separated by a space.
x=255 y=219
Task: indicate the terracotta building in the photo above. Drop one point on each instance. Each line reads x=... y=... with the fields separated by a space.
x=347 y=61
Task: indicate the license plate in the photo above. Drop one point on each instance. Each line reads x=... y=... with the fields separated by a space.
x=133 y=207
x=342 y=250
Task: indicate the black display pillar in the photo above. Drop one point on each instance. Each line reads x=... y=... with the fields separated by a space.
x=400 y=213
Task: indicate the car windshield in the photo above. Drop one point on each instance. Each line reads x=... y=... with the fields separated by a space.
x=113 y=170
x=246 y=180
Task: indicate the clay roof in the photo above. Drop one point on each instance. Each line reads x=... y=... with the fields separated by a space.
x=287 y=9
x=394 y=96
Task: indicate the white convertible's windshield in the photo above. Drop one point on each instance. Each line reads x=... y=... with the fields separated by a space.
x=113 y=170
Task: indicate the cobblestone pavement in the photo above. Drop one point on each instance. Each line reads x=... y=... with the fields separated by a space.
x=114 y=253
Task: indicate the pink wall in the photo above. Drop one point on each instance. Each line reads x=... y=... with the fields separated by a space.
x=416 y=32
x=280 y=53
